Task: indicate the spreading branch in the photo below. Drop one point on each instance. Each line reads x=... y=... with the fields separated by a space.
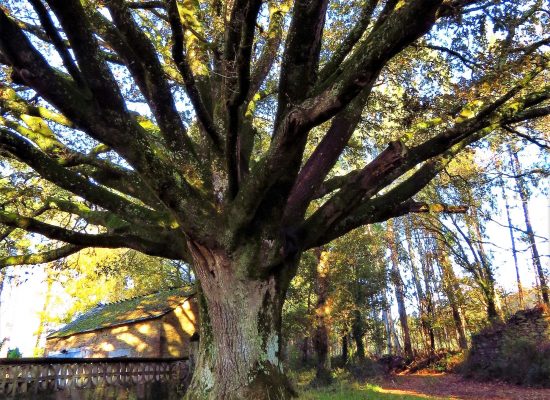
x=39 y=258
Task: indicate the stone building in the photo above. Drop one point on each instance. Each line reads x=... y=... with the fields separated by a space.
x=156 y=325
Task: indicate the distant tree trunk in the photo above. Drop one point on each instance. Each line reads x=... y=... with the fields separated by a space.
x=399 y=289
x=306 y=340
x=421 y=298
x=386 y=317
x=358 y=332
x=494 y=309
x=513 y=240
x=427 y=268
x=529 y=228
x=481 y=268
x=451 y=287
x=304 y=350
x=320 y=337
x=345 y=348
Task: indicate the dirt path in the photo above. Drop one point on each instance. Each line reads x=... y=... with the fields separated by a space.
x=450 y=386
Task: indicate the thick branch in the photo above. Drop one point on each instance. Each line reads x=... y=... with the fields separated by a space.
x=180 y=58
x=341 y=213
x=165 y=247
x=241 y=87
x=301 y=56
x=363 y=67
x=274 y=36
x=75 y=183
x=56 y=40
x=40 y=258
x=142 y=61
x=324 y=157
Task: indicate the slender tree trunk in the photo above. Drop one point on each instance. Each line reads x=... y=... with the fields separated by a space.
x=529 y=228
x=321 y=337
x=387 y=324
x=481 y=269
x=421 y=298
x=494 y=309
x=345 y=352
x=306 y=340
x=451 y=287
x=358 y=332
x=427 y=268
x=240 y=327
x=399 y=289
x=513 y=240
x=304 y=350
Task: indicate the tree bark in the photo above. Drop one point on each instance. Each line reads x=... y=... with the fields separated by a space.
x=240 y=324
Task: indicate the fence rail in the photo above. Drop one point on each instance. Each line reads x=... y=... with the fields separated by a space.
x=54 y=374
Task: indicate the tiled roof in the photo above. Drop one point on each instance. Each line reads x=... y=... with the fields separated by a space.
x=127 y=311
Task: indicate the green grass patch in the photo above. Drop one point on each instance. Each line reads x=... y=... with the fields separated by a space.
x=345 y=388
x=346 y=391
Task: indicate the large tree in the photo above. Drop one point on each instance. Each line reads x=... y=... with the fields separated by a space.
x=207 y=131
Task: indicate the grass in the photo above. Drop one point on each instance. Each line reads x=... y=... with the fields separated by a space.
x=345 y=389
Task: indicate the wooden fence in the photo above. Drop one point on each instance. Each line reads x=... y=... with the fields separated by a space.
x=39 y=375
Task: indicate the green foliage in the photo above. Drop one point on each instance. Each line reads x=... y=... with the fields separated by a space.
x=356 y=279
x=14 y=353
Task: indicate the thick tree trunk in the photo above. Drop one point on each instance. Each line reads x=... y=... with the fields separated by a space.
x=240 y=325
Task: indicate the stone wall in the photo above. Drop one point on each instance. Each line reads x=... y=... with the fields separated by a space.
x=517 y=351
